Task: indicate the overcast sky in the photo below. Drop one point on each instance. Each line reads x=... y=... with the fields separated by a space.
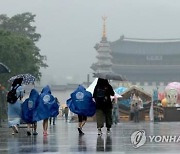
x=71 y=28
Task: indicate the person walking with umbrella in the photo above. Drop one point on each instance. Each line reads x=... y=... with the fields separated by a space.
x=14 y=99
x=102 y=92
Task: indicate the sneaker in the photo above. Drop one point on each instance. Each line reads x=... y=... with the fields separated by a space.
x=35 y=133
x=15 y=129
x=80 y=131
x=99 y=132
x=28 y=133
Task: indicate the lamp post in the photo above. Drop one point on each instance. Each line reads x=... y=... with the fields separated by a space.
x=1 y=105
x=88 y=80
x=3 y=69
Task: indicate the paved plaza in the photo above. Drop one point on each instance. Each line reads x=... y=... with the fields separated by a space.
x=64 y=138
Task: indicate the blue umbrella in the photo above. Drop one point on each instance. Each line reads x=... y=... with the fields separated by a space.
x=120 y=90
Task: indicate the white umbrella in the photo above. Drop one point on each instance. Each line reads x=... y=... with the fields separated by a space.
x=92 y=86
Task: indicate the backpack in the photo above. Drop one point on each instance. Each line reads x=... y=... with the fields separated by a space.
x=11 y=96
x=101 y=95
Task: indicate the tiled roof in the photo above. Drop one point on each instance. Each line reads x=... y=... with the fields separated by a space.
x=145 y=46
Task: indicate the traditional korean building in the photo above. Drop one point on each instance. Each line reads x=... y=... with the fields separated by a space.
x=147 y=60
x=144 y=61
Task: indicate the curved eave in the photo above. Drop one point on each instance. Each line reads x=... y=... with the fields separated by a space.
x=102 y=65
x=169 y=46
x=147 y=69
x=104 y=57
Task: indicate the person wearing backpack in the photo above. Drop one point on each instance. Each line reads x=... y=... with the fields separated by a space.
x=14 y=105
x=102 y=92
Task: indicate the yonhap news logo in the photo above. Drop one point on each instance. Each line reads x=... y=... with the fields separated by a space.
x=139 y=138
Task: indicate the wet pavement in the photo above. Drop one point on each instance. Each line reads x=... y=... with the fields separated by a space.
x=64 y=138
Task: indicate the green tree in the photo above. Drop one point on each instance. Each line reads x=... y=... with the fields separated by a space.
x=17 y=46
x=22 y=24
x=20 y=55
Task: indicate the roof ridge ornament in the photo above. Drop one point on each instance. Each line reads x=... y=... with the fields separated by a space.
x=104 y=18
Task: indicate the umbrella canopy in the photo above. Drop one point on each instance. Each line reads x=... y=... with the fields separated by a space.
x=92 y=86
x=4 y=68
x=120 y=90
x=27 y=78
x=110 y=76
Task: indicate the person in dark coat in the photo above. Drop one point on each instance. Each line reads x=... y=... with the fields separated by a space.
x=66 y=112
x=136 y=112
x=102 y=92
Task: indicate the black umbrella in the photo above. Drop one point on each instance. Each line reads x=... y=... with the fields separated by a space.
x=4 y=68
x=109 y=76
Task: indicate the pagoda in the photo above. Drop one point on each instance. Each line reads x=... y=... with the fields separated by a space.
x=104 y=57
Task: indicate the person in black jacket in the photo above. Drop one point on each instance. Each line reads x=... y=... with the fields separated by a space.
x=102 y=92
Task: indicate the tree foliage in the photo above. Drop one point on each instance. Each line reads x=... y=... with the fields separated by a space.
x=20 y=24
x=17 y=46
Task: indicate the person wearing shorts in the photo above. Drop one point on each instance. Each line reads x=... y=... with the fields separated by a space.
x=82 y=120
